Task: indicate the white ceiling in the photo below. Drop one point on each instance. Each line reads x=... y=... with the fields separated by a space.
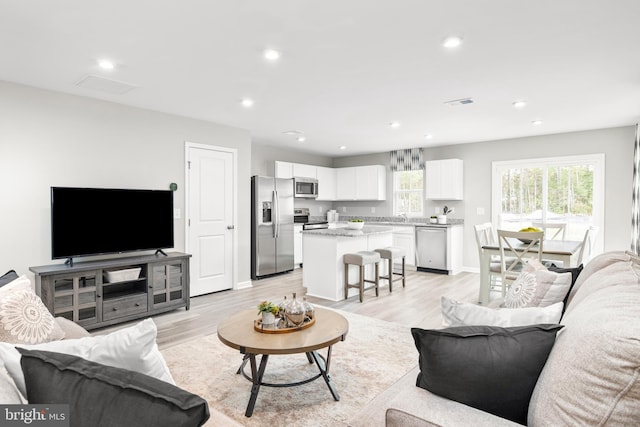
x=348 y=67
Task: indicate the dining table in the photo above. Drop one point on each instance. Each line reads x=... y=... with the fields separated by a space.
x=566 y=251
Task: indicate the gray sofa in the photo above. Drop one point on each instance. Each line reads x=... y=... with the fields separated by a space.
x=592 y=375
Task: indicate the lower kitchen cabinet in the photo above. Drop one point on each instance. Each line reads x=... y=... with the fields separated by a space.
x=404 y=237
x=297 y=245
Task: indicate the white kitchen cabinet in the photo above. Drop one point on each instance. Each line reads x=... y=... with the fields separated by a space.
x=361 y=183
x=304 y=171
x=283 y=169
x=326 y=183
x=297 y=245
x=444 y=179
x=345 y=184
x=405 y=237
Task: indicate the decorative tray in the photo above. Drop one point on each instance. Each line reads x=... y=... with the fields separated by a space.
x=275 y=329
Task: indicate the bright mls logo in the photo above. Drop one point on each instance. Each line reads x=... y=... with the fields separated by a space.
x=34 y=415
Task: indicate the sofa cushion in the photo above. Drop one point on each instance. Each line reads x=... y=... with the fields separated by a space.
x=8 y=277
x=456 y=313
x=398 y=418
x=537 y=287
x=9 y=394
x=24 y=319
x=596 y=264
x=490 y=368
x=575 y=272
x=103 y=395
x=131 y=348
x=592 y=376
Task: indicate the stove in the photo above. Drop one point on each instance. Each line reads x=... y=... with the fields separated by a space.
x=315 y=225
x=301 y=216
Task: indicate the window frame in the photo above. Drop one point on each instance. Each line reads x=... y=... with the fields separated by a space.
x=598 y=162
x=421 y=198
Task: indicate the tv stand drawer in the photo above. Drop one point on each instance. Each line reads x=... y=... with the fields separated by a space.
x=112 y=309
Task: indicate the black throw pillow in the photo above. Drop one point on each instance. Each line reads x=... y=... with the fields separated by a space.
x=487 y=367
x=100 y=395
x=8 y=277
x=575 y=272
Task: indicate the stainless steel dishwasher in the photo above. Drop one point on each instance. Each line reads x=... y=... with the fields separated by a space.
x=431 y=249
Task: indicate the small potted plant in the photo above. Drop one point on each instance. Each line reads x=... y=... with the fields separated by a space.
x=442 y=219
x=269 y=311
x=433 y=219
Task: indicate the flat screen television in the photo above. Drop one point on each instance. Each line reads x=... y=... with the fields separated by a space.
x=94 y=221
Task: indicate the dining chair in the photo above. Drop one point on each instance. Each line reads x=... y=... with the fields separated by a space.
x=514 y=255
x=552 y=230
x=587 y=244
x=485 y=236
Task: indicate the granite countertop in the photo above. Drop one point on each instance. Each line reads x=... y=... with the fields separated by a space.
x=394 y=221
x=347 y=232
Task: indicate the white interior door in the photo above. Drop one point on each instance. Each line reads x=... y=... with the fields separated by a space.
x=211 y=233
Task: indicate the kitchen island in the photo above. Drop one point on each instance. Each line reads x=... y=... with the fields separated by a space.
x=323 y=272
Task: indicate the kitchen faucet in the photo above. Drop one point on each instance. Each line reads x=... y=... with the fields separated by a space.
x=404 y=216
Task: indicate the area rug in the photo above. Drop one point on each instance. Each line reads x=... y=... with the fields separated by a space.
x=374 y=355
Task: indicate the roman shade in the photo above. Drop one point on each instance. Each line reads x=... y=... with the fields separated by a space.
x=409 y=159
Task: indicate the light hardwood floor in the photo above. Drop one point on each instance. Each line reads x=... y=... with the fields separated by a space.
x=416 y=305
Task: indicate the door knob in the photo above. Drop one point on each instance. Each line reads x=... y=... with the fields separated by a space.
x=230 y=227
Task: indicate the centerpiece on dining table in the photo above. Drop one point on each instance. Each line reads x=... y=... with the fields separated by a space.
x=528 y=230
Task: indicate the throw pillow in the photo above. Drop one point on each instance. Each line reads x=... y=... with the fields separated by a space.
x=100 y=395
x=24 y=319
x=537 y=287
x=456 y=313
x=131 y=348
x=9 y=394
x=487 y=367
x=8 y=277
x=575 y=272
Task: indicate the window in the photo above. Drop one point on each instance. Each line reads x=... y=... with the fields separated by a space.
x=408 y=192
x=559 y=189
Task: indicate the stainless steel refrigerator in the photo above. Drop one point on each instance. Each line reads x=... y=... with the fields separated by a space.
x=271 y=226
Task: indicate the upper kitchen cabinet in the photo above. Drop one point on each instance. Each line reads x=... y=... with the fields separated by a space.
x=361 y=183
x=292 y=170
x=326 y=183
x=304 y=171
x=444 y=179
x=283 y=169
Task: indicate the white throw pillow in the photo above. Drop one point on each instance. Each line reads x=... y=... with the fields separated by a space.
x=456 y=313
x=132 y=348
x=9 y=394
x=24 y=319
x=537 y=287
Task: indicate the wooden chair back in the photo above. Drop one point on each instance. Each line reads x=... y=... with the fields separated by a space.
x=552 y=230
x=514 y=253
x=587 y=244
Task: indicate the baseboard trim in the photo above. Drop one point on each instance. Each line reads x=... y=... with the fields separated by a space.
x=244 y=285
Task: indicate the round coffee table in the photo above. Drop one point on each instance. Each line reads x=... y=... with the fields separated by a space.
x=237 y=332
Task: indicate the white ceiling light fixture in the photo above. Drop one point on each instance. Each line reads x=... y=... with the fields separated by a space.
x=428 y=136
x=536 y=122
x=394 y=125
x=271 y=55
x=343 y=147
x=519 y=104
x=452 y=42
x=105 y=64
x=247 y=103
x=292 y=132
x=302 y=139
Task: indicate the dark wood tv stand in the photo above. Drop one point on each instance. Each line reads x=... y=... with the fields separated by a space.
x=79 y=293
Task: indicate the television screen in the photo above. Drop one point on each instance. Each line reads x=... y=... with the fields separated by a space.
x=92 y=221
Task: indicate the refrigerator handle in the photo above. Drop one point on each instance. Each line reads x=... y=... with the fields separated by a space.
x=276 y=214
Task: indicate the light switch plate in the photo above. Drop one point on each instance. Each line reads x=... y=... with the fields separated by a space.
x=479 y=211
x=373 y=209
x=176 y=213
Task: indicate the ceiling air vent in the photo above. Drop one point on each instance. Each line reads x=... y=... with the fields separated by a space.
x=105 y=85
x=457 y=102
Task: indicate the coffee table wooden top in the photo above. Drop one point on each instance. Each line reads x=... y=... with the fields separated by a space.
x=237 y=332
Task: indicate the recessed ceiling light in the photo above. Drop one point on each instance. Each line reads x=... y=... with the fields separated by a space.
x=247 y=103
x=394 y=125
x=452 y=41
x=271 y=55
x=536 y=122
x=301 y=139
x=292 y=132
x=428 y=136
x=519 y=104
x=105 y=64
x=343 y=147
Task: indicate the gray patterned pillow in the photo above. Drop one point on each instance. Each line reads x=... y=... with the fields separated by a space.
x=537 y=287
x=24 y=319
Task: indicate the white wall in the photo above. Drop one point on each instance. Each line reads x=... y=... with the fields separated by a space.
x=52 y=139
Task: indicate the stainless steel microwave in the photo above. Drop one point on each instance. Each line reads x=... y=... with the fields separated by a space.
x=305 y=187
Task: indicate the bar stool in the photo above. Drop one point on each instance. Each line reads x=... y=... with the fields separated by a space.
x=389 y=253
x=361 y=259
